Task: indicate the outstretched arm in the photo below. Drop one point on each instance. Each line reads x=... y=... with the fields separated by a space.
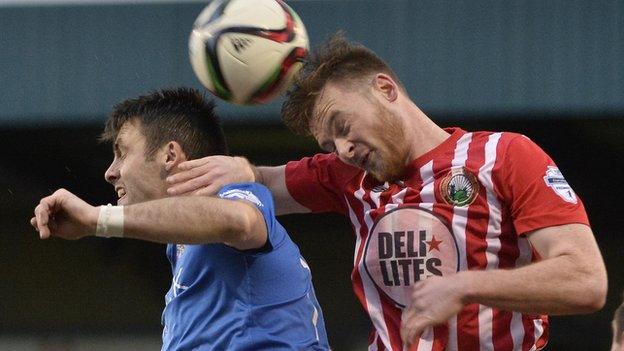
x=274 y=178
x=571 y=278
x=190 y=220
x=205 y=176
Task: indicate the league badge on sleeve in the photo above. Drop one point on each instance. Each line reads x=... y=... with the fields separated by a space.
x=555 y=180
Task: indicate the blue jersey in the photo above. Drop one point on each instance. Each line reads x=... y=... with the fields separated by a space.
x=222 y=298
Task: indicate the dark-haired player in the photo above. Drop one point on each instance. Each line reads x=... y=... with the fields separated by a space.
x=239 y=282
x=464 y=240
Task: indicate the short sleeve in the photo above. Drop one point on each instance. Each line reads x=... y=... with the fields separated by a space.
x=261 y=197
x=535 y=190
x=319 y=182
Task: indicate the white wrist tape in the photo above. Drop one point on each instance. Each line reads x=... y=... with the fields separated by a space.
x=110 y=222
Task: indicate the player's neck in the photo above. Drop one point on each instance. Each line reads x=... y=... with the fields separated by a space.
x=423 y=133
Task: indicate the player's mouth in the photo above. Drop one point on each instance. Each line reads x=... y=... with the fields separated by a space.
x=364 y=161
x=121 y=194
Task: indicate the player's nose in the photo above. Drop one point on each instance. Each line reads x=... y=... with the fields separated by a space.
x=345 y=149
x=112 y=174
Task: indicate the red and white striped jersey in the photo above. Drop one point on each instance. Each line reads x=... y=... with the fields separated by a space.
x=460 y=206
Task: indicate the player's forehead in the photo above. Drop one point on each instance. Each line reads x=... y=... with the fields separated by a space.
x=129 y=134
x=328 y=96
x=330 y=104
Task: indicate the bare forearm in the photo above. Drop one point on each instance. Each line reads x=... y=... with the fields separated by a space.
x=274 y=178
x=571 y=278
x=554 y=286
x=189 y=220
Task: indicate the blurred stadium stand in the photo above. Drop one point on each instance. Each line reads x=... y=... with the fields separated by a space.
x=549 y=69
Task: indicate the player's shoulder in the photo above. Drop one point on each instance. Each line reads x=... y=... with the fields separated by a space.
x=255 y=193
x=502 y=135
x=503 y=138
x=330 y=160
x=344 y=173
x=328 y=164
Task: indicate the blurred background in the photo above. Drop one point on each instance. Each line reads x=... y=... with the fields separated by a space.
x=553 y=70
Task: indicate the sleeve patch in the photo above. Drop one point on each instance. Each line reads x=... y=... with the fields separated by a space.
x=555 y=180
x=242 y=195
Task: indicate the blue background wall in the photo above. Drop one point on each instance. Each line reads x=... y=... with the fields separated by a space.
x=72 y=63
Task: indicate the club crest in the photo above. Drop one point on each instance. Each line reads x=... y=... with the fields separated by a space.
x=459 y=187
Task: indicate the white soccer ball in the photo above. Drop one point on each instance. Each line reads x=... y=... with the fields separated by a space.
x=247 y=51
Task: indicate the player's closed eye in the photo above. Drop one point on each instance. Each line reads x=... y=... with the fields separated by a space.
x=345 y=129
x=342 y=128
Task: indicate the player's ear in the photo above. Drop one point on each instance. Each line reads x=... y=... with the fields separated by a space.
x=174 y=155
x=386 y=86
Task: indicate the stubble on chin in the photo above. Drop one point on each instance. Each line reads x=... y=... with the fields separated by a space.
x=394 y=158
x=391 y=169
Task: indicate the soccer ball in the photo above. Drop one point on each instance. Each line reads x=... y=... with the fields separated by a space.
x=247 y=51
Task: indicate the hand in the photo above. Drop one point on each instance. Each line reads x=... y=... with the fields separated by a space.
x=64 y=215
x=205 y=176
x=434 y=301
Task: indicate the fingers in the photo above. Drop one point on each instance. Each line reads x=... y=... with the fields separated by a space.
x=183 y=188
x=187 y=174
x=190 y=180
x=411 y=327
x=411 y=333
x=209 y=190
x=42 y=216
x=406 y=322
x=207 y=175
x=44 y=212
x=186 y=165
x=190 y=185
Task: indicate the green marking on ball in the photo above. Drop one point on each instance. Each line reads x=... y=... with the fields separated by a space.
x=220 y=90
x=267 y=83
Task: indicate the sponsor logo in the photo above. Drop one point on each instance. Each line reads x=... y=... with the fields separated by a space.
x=180 y=248
x=459 y=187
x=555 y=180
x=242 y=195
x=405 y=246
x=240 y=44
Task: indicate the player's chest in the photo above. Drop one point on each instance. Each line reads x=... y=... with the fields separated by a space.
x=454 y=189
x=193 y=262
x=411 y=230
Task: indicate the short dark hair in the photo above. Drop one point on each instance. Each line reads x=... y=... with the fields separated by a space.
x=336 y=60
x=180 y=114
